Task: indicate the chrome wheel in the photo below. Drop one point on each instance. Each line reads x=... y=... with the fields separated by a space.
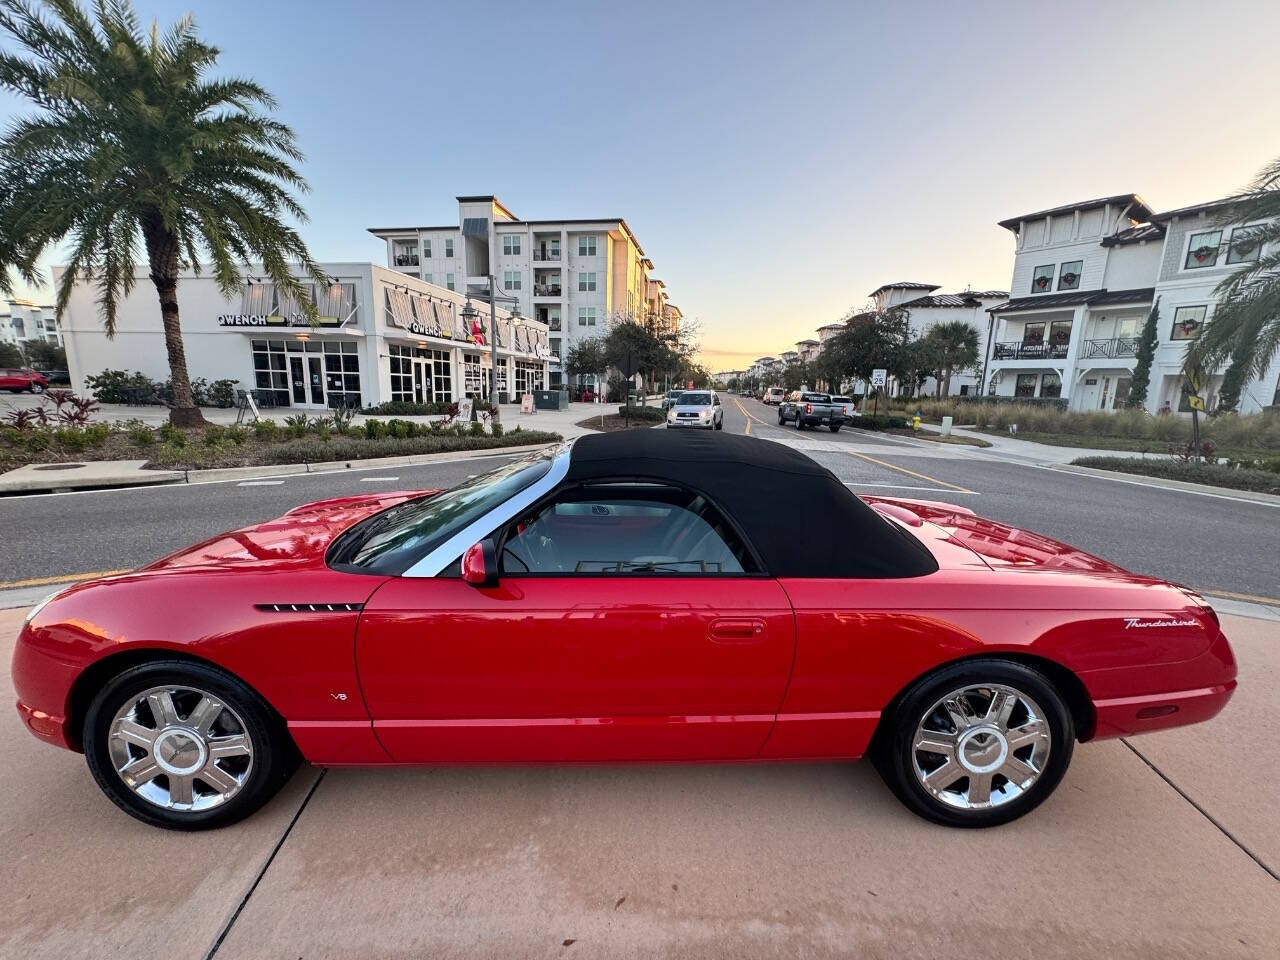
x=180 y=748
x=981 y=746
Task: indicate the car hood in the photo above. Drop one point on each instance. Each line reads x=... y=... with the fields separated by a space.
x=297 y=539
x=998 y=545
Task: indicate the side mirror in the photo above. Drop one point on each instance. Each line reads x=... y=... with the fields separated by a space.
x=480 y=564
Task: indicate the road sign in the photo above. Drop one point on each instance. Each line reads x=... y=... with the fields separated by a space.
x=878 y=377
x=630 y=364
x=1195 y=402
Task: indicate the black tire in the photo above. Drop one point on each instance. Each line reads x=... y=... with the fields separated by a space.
x=781 y=419
x=719 y=424
x=799 y=421
x=36 y=388
x=274 y=757
x=834 y=428
x=895 y=756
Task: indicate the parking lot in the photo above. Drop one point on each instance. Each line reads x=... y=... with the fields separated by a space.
x=1165 y=847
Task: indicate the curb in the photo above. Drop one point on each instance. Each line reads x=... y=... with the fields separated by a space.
x=220 y=474
x=1269 y=499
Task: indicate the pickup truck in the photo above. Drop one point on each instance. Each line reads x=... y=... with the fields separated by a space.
x=810 y=409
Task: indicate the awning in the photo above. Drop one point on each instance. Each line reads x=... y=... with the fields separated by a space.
x=475 y=227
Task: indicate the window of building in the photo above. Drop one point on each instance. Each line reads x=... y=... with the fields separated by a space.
x=586 y=282
x=473 y=380
x=587 y=245
x=342 y=374
x=1202 y=249
x=1050 y=385
x=1244 y=246
x=1060 y=334
x=1026 y=385
x=638 y=532
x=448 y=247
x=1033 y=333
x=401 y=373
x=586 y=316
x=270 y=375
x=406 y=253
x=1069 y=275
x=428 y=278
x=511 y=279
x=448 y=280
x=1187 y=322
x=554 y=344
x=1042 y=279
x=511 y=245
x=426 y=249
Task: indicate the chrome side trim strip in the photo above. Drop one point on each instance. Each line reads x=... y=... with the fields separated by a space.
x=505 y=512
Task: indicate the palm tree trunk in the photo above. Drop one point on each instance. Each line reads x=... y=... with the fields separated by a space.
x=162 y=251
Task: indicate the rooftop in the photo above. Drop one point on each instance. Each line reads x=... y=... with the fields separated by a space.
x=968 y=298
x=1138 y=209
x=1094 y=298
x=904 y=285
x=1138 y=234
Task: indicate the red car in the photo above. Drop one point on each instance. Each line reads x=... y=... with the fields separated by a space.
x=625 y=597
x=18 y=379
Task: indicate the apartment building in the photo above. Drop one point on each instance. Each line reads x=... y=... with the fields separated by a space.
x=22 y=321
x=573 y=275
x=1085 y=277
x=925 y=308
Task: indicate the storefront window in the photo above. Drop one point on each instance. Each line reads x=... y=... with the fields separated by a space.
x=270 y=376
x=401 y=373
x=472 y=376
x=342 y=375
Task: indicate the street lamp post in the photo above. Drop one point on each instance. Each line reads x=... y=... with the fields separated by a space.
x=469 y=312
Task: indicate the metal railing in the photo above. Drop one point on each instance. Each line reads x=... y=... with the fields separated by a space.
x=1022 y=350
x=546 y=289
x=406 y=259
x=546 y=256
x=1117 y=348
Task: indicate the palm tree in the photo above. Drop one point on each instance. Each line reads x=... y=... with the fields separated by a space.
x=131 y=138
x=1245 y=332
x=955 y=345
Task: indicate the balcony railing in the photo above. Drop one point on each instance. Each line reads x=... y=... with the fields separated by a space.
x=554 y=325
x=1022 y=350
x=1117 y=348
x=406 y=259
x=546 y=289
x=546 y=256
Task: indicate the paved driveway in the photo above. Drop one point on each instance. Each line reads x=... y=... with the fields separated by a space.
x=1165 y=849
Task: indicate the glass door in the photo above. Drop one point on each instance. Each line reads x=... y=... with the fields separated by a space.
x=420 y=375
x=316 y=370
x=297 y=380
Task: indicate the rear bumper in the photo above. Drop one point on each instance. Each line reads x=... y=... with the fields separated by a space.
x=1125 y=716
x=824 y=421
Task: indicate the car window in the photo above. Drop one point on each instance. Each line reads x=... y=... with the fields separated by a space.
x=392 y=541
x=816 y=398
x=694 y=400
x=653 y=530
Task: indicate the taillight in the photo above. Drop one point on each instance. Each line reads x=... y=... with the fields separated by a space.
x=808 y=408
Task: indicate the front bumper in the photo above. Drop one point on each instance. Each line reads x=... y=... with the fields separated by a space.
x=697 y=424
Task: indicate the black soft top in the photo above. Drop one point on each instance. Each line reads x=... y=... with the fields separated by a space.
x=801 y=519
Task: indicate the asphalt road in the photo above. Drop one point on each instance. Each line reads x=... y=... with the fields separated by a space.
x=1215 y=544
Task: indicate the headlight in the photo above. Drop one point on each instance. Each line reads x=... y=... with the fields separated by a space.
x=31 y=614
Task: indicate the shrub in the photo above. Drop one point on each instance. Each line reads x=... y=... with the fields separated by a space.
x=477 y=429
x=237 y=435
x=324 y=430
x=882 y=422
x=97 y=435
x=70 y=439
x=644 y=414
x=172 y=435
x=214 y=435
x=297 y=425
x=10 y=436
x=222 y=393
x=38 y=441
x=140 y=435
x=1258 y=481
x=496 y=429
x=342 y=418
x=266 y=430
x=116 y=386
x=405 y=408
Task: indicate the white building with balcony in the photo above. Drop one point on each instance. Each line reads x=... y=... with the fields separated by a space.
x=24 y=321
x=573 y=275
x=1085 y=277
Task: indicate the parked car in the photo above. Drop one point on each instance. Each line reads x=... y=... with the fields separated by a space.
x=807 y=409
x=773 y=396
x=56 y=377
x=966 y=656
x=670 y=398
x=696 y=408
x=18 y=379
x=587 y=396
x=848 y=406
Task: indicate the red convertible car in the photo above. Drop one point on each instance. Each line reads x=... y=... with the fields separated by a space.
x=631 y=596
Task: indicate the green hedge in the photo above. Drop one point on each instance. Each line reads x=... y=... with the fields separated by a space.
x=403 y=408
x=881 y=422
x=647 y=414
x=313 y=451
x=1217 y=475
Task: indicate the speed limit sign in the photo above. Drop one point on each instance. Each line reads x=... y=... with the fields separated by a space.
x=878 y=377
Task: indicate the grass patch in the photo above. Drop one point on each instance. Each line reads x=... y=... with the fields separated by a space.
x=1212 y=474
x=937 y=437
x=612 y=421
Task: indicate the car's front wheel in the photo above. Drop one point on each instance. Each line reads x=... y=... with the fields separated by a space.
x=185 y=746
x=36 y=388
x=977 y=744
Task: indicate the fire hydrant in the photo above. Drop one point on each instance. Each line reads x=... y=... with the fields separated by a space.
x=915 y=423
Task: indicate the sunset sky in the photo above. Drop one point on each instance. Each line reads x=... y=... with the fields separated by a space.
x=778 y=161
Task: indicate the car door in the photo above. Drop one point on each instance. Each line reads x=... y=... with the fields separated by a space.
x=9 y=380
x=626 y=624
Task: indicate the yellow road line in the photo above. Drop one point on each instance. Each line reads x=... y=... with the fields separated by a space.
x=909 y=473
x=1250 y=597
x=62 y=578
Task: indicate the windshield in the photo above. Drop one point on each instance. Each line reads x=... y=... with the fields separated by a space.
x=392 y=541
x=694 y=400
x=674 y=393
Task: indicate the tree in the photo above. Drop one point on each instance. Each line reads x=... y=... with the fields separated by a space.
x=954 y=348
x=44 y=355
x=587 y=358
x=10 y=356
x=1245 y=332
x=1146 y=353
x=921 y=359
x=132 y=139
x=870 y=340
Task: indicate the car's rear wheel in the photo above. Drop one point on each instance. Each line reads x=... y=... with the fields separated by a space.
x=977 y=744
x=799 y=421
x=781 y=418
x=185 y=746
x=36 y=388
x=835 y=428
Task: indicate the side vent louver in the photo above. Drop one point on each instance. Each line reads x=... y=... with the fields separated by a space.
x=309 y=607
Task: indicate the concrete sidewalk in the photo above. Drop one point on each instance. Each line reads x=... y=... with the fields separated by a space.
x=1163 y=847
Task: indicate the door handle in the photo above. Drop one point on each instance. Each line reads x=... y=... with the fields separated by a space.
x=737 y=631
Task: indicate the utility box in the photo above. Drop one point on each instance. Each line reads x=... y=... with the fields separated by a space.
x=946 y=426
x=551 y=399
